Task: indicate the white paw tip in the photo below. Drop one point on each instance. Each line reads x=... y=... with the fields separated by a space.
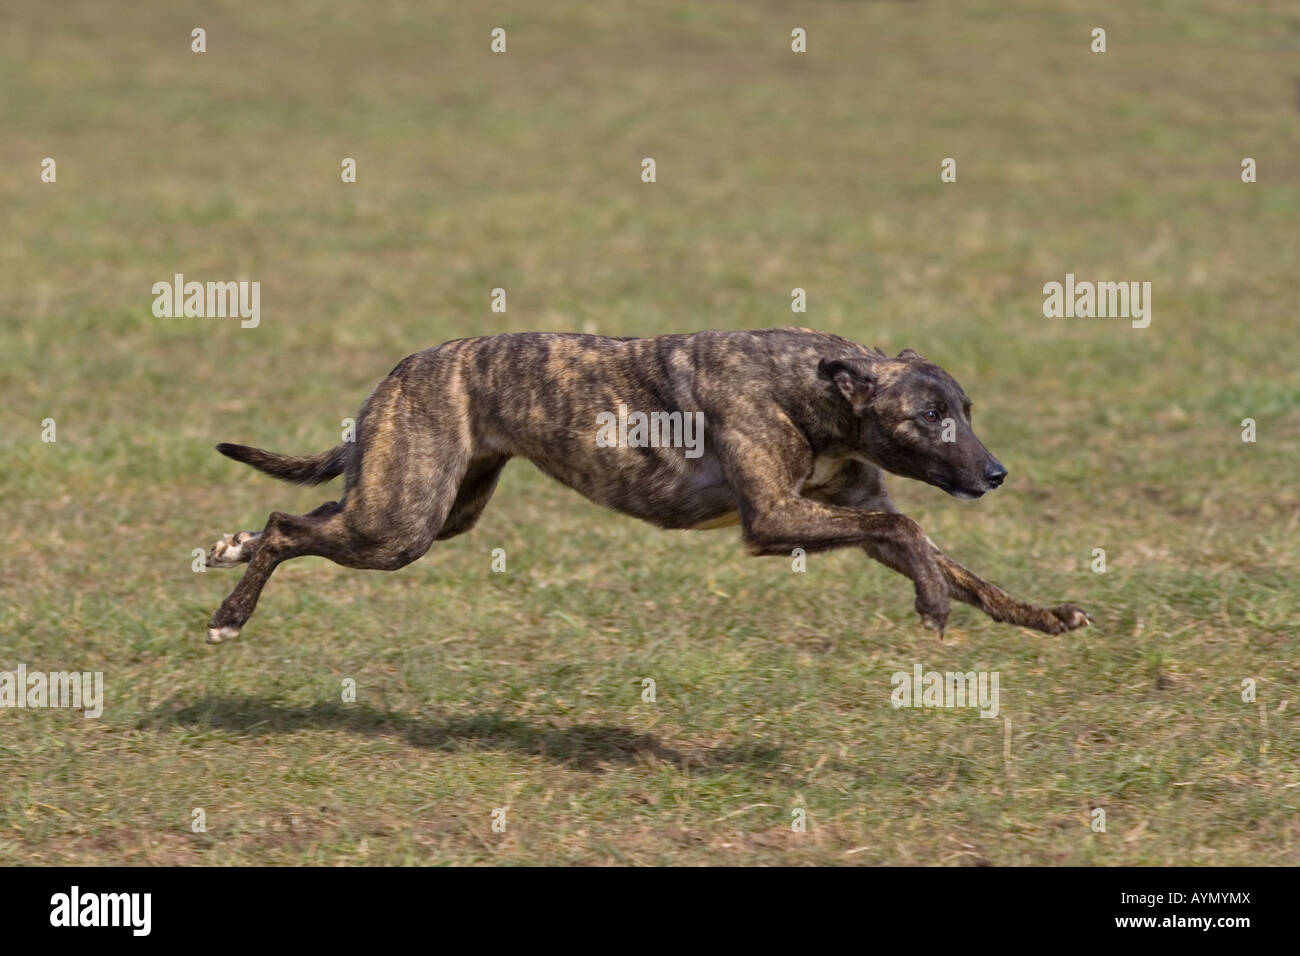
x=218 y=634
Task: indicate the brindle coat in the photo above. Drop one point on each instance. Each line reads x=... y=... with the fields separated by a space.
x=798 y=427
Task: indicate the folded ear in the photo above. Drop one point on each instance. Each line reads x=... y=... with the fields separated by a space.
x=911 y=355
x=854 y=379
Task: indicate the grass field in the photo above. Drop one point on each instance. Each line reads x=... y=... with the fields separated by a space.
x=523 y=690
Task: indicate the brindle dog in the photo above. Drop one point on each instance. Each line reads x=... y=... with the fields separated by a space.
x=798 y=427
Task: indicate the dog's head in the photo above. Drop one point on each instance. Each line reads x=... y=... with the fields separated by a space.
x=911 y=418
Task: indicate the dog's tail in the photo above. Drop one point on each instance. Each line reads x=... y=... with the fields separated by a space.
x=305 y=470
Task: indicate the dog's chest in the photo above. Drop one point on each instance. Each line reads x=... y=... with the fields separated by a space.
x=825 y=469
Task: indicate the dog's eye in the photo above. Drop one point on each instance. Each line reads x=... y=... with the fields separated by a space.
x=930 y=415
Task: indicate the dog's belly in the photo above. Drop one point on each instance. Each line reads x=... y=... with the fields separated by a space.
x=728 y=520
x=698 y=499
x=710 y=502
x=661 y=488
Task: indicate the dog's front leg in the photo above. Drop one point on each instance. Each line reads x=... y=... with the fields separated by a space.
x=866 y=491
x=968 y=587
x=893 y=539
x=767 y=463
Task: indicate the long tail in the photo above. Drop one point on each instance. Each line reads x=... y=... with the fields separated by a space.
x=305 y=470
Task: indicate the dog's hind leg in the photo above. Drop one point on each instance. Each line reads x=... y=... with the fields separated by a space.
x=235 y=549
x=285 y=536
x=405 y=474
x=388 y=519
x=331 y=531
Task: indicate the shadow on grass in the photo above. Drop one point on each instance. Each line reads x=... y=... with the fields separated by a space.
x=588 y=747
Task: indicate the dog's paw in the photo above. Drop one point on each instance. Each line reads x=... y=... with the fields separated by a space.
x=934 y=616
x=232 y=549
x=1070 y=618
x=218 y=635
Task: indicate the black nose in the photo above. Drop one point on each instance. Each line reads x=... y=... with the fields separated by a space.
x=994 y=472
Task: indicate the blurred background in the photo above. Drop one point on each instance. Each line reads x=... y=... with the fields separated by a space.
x=775 y=170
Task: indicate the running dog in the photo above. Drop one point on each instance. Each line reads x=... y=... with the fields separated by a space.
x=798 y=428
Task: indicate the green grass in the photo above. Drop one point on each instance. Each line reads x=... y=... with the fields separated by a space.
x=522 y=690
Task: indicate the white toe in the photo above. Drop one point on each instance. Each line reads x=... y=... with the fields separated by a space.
x=218 y=634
